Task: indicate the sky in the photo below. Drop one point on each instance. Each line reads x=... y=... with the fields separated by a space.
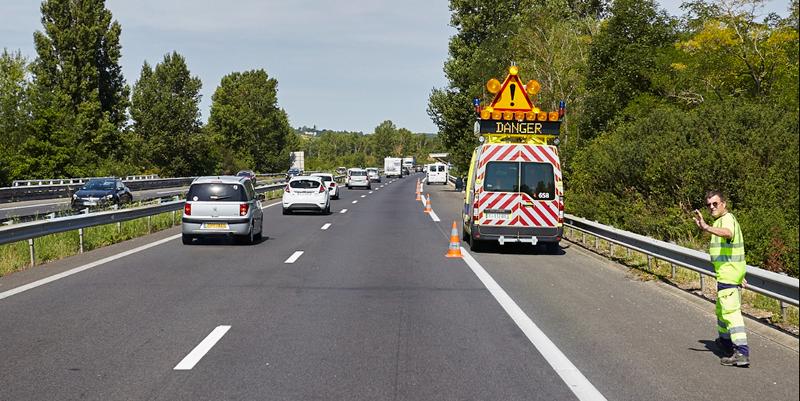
x=340 y=65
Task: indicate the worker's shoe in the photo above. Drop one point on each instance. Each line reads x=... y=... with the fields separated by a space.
x=726 y=349
x=737 y=359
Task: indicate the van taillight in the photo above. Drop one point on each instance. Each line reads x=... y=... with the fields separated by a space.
x=187 y=209
x=560 y=209
x=243 y=207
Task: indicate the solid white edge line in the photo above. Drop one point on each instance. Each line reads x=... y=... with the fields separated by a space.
x=574 y=379
x=276 y=203
x=202 y=349
x=79 y=269
x=325 y=227
x=343 y=211
x=294 y=257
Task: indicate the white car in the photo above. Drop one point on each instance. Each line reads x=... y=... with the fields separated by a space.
x=306 y=193
x=333 y=187
x=357 y=177
x=373 y=174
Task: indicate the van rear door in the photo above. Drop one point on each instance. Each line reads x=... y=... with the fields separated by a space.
x=539 y=202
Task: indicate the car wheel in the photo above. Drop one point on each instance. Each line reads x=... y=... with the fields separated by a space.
x=260 y=234
x=328 y=208
x=187 y=239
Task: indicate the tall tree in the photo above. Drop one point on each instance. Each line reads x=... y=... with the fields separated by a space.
x=166 y=118
x=81 y=96
x=623 y=59
x=14 y=113
x=247 y=121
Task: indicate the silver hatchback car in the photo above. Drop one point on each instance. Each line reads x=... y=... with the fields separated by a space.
x=222 y=206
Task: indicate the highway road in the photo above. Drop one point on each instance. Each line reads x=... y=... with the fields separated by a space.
x=361 y=304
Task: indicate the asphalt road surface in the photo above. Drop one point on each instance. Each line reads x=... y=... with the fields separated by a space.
x=361 y=304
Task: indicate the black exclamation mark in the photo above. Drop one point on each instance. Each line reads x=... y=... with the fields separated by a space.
x=513 y=90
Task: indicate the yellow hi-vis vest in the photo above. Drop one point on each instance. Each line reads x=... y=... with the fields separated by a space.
x=727 y=255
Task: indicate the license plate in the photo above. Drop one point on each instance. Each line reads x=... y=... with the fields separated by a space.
x=90 y=203
x=223 y=226
x=497 y=216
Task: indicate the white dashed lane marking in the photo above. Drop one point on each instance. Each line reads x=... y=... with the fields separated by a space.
x=202 y=349
x=355 y=201
x=325 y=227
x=294 y=257
x=343 y=211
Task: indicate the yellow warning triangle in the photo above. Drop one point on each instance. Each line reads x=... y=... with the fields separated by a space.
x=512 y=96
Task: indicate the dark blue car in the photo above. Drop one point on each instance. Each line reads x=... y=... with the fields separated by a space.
x=101 y=192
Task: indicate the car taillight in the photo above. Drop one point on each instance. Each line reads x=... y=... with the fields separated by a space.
x=187 y=209
x=333 y=184
x=321 y=188
x=243 y=207
x=287 y=188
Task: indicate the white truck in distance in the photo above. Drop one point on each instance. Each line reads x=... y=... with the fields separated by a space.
x=408 y=162
x=392 y=167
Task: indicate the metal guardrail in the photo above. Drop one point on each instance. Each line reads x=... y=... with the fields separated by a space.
x=71 y=181
x=773 y=285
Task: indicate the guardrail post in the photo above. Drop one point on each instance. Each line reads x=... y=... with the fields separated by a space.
x=784 y=307
x=80 y=239
x=672 y=265
x=611 y=249
x=649 y=263
x=148 y=224
x=173 y=219
x=702 y=282
x=583 y=238
x=119 y=227
x=33 y=254
x=596 y=246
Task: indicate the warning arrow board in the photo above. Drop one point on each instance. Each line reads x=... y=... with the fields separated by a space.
x=512 y=96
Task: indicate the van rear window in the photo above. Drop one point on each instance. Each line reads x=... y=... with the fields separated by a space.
x=534 y=179
x=217 y=192
x=538 y=181
x=501 y=177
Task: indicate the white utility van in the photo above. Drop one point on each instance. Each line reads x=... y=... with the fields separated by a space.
x=514 y=193
x=436 y=173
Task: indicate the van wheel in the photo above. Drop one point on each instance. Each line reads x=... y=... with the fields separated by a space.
x=552 y=248
x=476 y=245
x=187 y=239
x=286 y=211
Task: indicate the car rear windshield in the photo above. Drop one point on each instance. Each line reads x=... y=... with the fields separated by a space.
x=217 y=192
x=534 y=179
x=304 y=184
x=434 y=169
x=358 y=173
x=325 y=178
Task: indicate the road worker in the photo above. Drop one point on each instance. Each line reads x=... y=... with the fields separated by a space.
x=727 y=256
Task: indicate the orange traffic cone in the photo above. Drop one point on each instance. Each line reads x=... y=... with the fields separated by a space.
x=454 y=250
x=418 y=198
x=428 y=204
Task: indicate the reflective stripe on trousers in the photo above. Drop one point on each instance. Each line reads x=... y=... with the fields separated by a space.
x=730 y=323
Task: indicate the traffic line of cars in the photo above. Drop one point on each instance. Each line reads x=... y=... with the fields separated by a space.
x=223 y=206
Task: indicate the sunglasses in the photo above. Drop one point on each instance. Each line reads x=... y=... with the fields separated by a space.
x=713 y=204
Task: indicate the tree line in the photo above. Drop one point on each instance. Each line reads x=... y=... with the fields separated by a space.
x=70 y=113
x=659 y=109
